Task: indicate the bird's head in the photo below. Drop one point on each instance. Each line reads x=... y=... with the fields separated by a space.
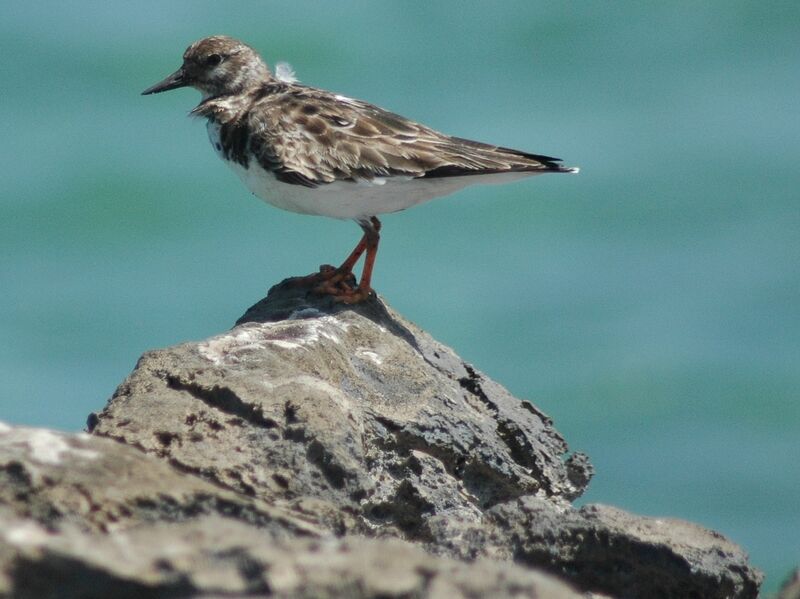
x=217 y=65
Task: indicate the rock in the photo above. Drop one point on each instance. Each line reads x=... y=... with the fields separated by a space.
x=606 y=549
x=356 y=408
x=55 y=479
x=86 y=517
x=318 y=449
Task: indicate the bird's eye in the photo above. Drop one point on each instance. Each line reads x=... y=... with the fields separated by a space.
x=213 y=60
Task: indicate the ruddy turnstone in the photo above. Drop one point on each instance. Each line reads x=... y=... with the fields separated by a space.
x=311 y=151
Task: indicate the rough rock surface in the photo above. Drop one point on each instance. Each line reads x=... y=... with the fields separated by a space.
x=86 y=517
x=321 y=425
x=358 y=409
x=605 y=548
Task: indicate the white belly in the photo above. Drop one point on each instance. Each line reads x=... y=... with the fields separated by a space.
x=348 y=199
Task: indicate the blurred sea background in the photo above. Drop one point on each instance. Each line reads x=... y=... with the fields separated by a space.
x=650 y=305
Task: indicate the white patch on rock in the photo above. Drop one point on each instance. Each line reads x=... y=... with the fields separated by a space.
x=369 y=355
x=224 y=348
x=43 y=446
x=4 y=428
x=304 y=314
x=285 y=344
x=232 y=347
x=313 y=331
x=320 y=328
x=48 y=447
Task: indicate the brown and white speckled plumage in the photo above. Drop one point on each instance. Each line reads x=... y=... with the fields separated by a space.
x=310 y=137
x=311 y=151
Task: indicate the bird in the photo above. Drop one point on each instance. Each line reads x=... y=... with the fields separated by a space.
x=316 y=152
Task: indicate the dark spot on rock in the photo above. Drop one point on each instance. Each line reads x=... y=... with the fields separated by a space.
x=472 y=383
x=224 y=399
x=294 y=433
x=16 y=473
x=165 y=437
x=407 y=510
x=458 y=466
x=243 y=487
x=290 y=413
x=389 y=424
x=281 y=480
x=526 y=405
x=579 y=471
x=163 y=565
x=519 y=446
x=326 y=462
x=380 y=512
x=413 y=464
x=310 y=109
x=358 y=495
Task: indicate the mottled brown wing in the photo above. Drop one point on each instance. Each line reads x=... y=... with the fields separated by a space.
x=314 y=137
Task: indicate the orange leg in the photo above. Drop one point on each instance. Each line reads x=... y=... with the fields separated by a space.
x=335 y=280
x=347 y=265
x=373 y=238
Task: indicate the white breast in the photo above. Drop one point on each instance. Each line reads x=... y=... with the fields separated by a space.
x=213 y=136
x=348 y=199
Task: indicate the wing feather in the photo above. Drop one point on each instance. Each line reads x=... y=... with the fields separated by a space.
x=312 y=137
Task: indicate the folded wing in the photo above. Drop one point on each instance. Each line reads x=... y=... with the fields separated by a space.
x=317 y=137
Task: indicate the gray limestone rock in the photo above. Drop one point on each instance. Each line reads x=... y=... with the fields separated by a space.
x=86 y=518
x=53 y=479
x=608 y=550
x=323 y=450
x=354 y=407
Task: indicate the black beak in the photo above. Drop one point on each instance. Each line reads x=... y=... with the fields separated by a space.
x=174 y=81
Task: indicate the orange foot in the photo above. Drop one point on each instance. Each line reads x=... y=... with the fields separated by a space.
x=340 y=283
x=341 y=287
x=350 y=296
x=326 y=271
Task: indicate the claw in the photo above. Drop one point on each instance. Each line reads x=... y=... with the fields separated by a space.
x=340 y=283
x=354 y=297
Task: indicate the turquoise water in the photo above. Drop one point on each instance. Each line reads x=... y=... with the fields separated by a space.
x=651 y=305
